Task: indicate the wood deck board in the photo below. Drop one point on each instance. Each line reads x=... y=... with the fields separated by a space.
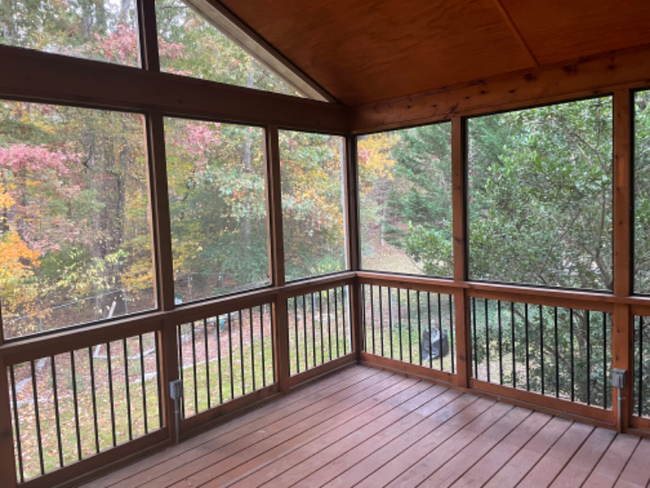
x=366 y=428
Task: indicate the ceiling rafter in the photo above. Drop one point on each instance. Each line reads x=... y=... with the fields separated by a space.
x=515 y=30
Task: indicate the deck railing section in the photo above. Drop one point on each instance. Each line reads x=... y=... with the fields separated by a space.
x=319 y=328
x=561 y=352
x=224 y=357
x=409 y=325
x=71 y=406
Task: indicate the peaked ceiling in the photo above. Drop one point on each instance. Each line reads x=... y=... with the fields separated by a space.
x=364 y=51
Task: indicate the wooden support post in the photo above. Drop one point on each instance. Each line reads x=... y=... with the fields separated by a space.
x=459 y=204
x=276 y=254
x=148 y=35
x=8 y=477
x=163 y=259
x=622 y=329
x=353 y=240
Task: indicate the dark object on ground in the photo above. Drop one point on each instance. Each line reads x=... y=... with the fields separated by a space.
x=433 y=346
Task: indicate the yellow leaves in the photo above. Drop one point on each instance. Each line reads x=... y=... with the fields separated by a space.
x=13 y=251
x=375 y=159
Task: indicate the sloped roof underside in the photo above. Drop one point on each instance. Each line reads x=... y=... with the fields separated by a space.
x=364 y=51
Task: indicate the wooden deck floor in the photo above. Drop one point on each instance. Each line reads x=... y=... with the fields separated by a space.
x=364 y=427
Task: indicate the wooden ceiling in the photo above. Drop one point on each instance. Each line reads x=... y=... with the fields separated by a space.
x=364 y=51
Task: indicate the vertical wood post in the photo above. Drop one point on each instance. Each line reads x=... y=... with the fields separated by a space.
x=353 y=240
x=163 y=259
x=148 y=35
x=622 y=327
x=8 y=477
x=276 y=254
x=459 y=204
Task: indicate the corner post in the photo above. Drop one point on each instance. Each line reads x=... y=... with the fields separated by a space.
x=276 y=253
x=622 y=324
x=459 y=206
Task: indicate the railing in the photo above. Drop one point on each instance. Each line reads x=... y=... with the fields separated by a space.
x=319 y=328
x=74 y=405
x=225 y=357
x=409 y=325
x=554 y=351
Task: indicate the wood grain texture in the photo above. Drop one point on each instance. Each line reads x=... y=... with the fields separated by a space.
x=557 y=30
x=403 y=47
x=392 y=431
x=577 y=78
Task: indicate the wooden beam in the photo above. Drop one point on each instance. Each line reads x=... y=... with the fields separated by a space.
x=592 y=76
x=51 y=78
x=623 y=325
x=232 y=27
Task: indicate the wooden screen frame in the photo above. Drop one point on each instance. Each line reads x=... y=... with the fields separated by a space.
x=50 y=78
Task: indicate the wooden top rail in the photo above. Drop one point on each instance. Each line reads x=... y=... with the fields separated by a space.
x=74 y=338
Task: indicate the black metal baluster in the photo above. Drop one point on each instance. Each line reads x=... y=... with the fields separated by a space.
x=573 y=390
x=159 y=382
x=640 y=372
x=417 y=295
x=241 y=353
x=429 y=329
x=329 y=323
x=320 y=317
x=363 y=317
x=196 y=386
x=344 y=306
x=557 y=356
x=452 y=344
x=127 y=382
x=329 y=326
x=312 y=300
x=475 y=341
x=304 y=326
x=109 y=362
x=263 y=348
x=512 y=332
x=390 y=322
x=232 y=370
x=588 y=357
x=372 y=316
x=526 y=325
x=144 y=386
x=218 y=326
x=500 y=342
x=272 y=351
x=57 y=415
x=399 y=320
x=37 y=418
x=207 y=361
x=336 y=315
x=381 y=322
x=75 y=399
x=295 y=326
x=250 y=323
x=408 y=317
x=605 y=375
x=14 y=401
x=181 y=364
x=541 y=344
x=487 y=340
x=440 y=329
